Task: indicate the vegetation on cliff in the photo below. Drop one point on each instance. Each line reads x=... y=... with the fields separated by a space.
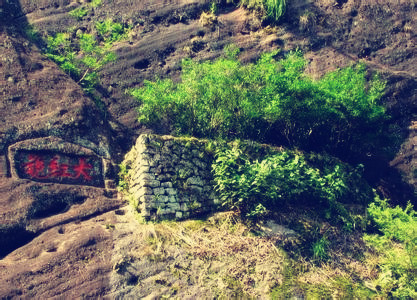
x=273 y=101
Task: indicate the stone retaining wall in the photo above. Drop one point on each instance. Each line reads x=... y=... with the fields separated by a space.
x=170 y=177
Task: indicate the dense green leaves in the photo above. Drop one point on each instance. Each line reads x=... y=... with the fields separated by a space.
x=286 y=178
x=398 y=248
x=270 y=101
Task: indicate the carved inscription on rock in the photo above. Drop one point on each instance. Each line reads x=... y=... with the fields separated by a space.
x=50 y=166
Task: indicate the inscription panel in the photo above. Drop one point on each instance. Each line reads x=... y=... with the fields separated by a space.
x=51 y=166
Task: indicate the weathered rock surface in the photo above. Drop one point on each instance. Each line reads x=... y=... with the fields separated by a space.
x=53 y=232
x=55 y=166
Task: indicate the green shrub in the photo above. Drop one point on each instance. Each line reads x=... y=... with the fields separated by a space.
x=79 y=12
x=96 y=3
x=285 y=178
x=110 y=31
x=397 y=247
x=270 y=101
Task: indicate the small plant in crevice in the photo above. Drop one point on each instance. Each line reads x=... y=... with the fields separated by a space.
x=83 y=10
x=32 y=34
x=79 y=12
x=123 y=176
x=82 y=55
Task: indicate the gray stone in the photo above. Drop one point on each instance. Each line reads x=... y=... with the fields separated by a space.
x=172 y=198
x=195 y=189
x=178 y=215
x=147 y=199
x=165 y=151
x=166 y=184
x=169 y=170
x=164 y=199
x=174 y=206
x=159 y=191
x=195 y=153
x=145 y=177
x=141 y=191
x=175 y=158
x=171 y=191
x=152 y=183
x=169 y=143
x=164 y=177
x=184 y=207
x=194 y=181
x=166 y=211
x=201 y=165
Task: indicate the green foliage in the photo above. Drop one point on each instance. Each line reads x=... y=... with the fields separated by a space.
x=285 y=178
x=398 y=248
x=79 y=12
x=32 y=34
x=83 y=56
x=110 y=31
x=275 y=9
x=96 y=3
x=270 y=101
x=213 y=8
x=320 y=248
x=123 y=182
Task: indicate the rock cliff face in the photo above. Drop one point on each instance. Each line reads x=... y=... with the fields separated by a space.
x=58 y=149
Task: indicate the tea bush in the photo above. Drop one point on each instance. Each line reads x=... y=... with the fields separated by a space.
x=270 y=101
x=254 y=187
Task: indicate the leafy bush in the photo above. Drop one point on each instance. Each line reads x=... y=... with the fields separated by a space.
x=79 y=12
x=284 y=178
x=397 y=247
x=270 y=101
x=110 y=31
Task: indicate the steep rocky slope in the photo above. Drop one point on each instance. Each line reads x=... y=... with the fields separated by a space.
x=53 y=236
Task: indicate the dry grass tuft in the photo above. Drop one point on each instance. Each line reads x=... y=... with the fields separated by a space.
x=208 y=19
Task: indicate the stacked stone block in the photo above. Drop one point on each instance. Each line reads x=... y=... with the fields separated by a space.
x=170 y=178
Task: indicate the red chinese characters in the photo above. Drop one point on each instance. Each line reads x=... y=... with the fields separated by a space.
x=55 y=168
x=34 y=166
x=58 y=170
x=82 y=169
